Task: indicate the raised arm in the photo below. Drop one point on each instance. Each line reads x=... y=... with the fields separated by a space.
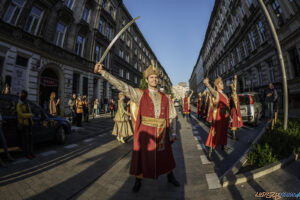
x=214 y=93
x=191 y=94
x=132 y=93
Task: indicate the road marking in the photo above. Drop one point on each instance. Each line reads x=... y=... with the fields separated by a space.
x=199 y=147
x=196 y=138
x=212 y=181
x=48 y=153
x=204 y=160
x=71 y=146
x=89 y=140
x=101 y=135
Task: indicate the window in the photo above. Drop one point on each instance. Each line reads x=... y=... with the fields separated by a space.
x=127 y=58
x=261 y=31
x=135 y=65
x=140 y=56
x=249 y=2
x=128 y=42
x=242 y=8
x=277 y=11
x=135 y=51
x=271 y=71
x=123 y=37
x=121 y=72
x=13 y=11
x=79 y=45
x=108 y=32
x=85 y=86
x=294 y=57
x=101 y=26
x=252 y=40
x=245 y=48
x=33 y=20
x=135 y=80
x=111 y=10
x=135 y=38
x=21 y=61
x=140 y=68
x=97 y=53
x=237 y=18
x=86 y=14
x=233 y=60
x=121 y=53
x=238 y=51
x=69 y=3
x=60 y=34
x=127 y=75
x=140 y=44
x=103 y=4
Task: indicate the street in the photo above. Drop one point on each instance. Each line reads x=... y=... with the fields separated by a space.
x=93 y=165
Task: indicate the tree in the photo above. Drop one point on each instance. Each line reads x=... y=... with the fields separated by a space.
x=143 y=84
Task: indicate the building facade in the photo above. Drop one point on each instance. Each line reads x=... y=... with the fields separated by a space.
x=53 y=45
x=197 y=76
x=238 y=41
x=179 y=90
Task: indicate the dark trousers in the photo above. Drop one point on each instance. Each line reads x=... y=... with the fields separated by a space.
x=27 y=140
x=79 y=119
x=3 y=142
x=73 y=115
x=112 y=113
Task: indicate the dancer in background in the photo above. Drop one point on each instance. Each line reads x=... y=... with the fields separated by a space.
x=187 y=105
x=122 y=127
x=235 y=111
x=199 y=105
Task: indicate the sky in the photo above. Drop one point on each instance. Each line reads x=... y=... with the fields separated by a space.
x=175 y=31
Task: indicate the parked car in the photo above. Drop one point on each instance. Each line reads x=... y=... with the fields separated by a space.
x=251 y=107
x=45 y=126
x=176 y=103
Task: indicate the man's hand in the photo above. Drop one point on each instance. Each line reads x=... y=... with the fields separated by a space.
x=206 y=81
x=98 y=68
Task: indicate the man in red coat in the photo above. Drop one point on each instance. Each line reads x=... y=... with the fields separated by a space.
x=187 y=105
x=220 y=112
x=235 y=112
x=199 y=105
x=152 y=153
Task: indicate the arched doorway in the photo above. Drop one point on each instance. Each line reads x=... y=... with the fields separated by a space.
x=49 y=82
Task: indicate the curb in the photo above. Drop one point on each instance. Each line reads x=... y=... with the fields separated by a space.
x=243 y=159
x=257 y=173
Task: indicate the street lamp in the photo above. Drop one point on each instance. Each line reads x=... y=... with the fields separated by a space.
x=281 y=61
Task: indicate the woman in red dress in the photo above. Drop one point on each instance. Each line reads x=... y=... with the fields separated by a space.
x=220 y=112
x=187 y=105
x=235 y=111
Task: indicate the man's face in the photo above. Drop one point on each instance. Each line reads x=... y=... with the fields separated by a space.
x=74 y=96
x=152 y=80
x=271 y=86
x=221 y=85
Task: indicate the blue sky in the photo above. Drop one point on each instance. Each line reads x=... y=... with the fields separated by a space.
x=175 y=31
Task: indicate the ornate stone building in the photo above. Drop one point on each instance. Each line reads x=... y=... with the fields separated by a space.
x=52 y=45
x=238 y=41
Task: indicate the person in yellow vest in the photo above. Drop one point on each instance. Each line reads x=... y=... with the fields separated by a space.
x=25 y=123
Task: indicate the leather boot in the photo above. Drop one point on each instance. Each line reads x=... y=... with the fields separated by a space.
x=209 y=154
x=172 y=179
x=137 y=185
x=234 y=137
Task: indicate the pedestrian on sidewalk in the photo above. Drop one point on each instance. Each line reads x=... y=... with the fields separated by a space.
x=25 y=123
x=152 y=153
x=187 y=105
x=199 y=105
x=72 y=107
x=96 y=108
x=220 y=113
x=122 y=126
x=6 y=89
x=112 y=108
x=79 y=110
x=85 y=108
x=235 y=111
x=53 y=103
x=4 y=145
x=271 y=99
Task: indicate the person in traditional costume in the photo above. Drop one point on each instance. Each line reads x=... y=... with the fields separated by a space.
x=152 y=153
x=220 y=112
x=199 y=105
x=235 y=111
x=122 y=126
x=187 y=105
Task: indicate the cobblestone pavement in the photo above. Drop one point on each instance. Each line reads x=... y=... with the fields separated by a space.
x=98 y=168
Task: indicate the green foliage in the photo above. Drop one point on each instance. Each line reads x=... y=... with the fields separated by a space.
x=277 y=144
x=143 y=84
